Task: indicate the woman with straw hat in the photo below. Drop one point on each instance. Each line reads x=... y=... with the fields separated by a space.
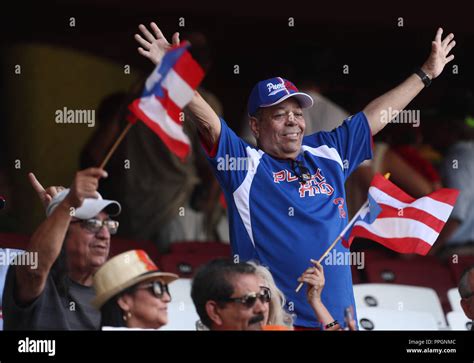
x=131 y=292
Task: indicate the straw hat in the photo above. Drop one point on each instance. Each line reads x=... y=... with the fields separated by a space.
x=123 y=271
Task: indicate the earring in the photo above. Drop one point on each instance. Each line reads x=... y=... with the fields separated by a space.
x=127 y=316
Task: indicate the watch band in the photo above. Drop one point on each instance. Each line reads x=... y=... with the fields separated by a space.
x=424 y=77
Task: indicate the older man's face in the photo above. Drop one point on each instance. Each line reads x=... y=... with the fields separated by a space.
x=86 y=250
x=237 y=316
x=280 y=129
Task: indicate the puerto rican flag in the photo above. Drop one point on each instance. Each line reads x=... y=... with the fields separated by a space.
x=400 y=222
x=167 y=91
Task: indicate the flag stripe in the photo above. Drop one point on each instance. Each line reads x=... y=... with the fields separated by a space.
x=400 y=228
x=391 y=189
x=187 y=68
x=172 y=108
x=176 y=144
x=412 y=213
x=153 y=111
x=438 y=209
x=178 y=90
x=445 y=195
x=401 y=245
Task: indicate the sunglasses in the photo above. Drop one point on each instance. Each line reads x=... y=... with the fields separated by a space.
x=250 y=299
x=303 y=172
x=157 y=288
x=95 y=225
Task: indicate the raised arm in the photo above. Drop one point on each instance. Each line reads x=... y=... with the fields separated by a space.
x=399 y=97
x=47 y=240
x=153 y=45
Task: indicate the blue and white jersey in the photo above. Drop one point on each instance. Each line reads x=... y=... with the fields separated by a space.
x=281 y=222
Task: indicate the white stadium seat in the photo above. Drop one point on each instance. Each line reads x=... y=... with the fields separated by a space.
x=400 y=298
x=454 y=299
x=181 y=311
x=384 y=319
x=181 y=317
x=3 y=274
x=458 y=321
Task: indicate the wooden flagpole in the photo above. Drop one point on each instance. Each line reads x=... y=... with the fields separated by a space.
x=116 y=143
x=342 y=233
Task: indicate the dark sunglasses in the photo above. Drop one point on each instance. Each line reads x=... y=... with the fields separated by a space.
x=157 y=288
x=94 y=225
x=250 y=299
x=303 y=172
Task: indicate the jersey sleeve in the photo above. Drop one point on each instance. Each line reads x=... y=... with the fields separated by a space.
x=229 y=158
x=352 y=141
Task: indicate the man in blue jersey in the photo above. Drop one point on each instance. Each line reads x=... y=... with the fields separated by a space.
x=286 y=196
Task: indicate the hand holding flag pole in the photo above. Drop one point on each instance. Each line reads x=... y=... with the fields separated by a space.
x=344 y=231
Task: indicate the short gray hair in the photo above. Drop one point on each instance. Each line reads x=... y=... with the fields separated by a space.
x=463 y=287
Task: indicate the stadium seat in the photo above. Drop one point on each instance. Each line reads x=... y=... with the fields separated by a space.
x=181 y=311
x=458 y=321
x=181 y=291
x=119 y=245
x=400 y=298
x=424 y=271
x=185 y=260
x=181 y=318
x=218 y=248
x=14 y=240
x=3 y=275
x=182 y=314
x=454 y=298
x=384 y=319
x=356 y=278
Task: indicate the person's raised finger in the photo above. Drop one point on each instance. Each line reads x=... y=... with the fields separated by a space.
x=450 y=46
x=439 y=33
x=447 y=39
x=142 y=41
x=317 y=265
x=146 y=33
x=35 y=183
x=175 y=39
x=156 y=30
x=143 y=52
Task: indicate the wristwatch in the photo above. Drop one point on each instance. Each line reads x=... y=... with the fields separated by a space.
x=424 y=77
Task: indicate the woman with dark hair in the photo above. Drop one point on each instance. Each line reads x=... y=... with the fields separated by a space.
x=131 y=292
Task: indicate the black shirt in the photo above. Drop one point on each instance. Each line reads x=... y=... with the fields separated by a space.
x=53 y=309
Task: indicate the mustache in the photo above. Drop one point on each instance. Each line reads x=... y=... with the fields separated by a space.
x=256 y=319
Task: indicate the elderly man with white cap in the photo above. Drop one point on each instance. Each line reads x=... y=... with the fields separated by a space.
x=72 y=243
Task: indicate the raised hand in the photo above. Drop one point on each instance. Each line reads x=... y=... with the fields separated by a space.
x=154 y=45
x=314 y=277
x=85 y=185
x=439 y=55
x=45 y=195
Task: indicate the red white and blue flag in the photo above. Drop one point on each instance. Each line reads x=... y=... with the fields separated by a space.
x=399 y=221
x=167 y=91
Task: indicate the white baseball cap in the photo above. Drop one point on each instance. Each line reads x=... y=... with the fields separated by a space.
x=90 y=207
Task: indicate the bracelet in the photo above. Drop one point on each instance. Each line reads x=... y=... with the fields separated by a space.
x=330 y=325
x=424 y=77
